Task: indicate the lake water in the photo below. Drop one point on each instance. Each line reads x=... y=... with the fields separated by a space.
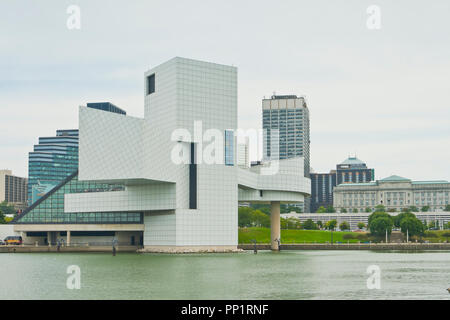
x=266 y=275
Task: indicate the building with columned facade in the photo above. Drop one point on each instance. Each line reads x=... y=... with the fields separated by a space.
x=394 y=193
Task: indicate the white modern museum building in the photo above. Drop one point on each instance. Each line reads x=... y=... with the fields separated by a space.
x=169 y=180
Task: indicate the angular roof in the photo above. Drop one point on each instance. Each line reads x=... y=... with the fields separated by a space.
x=394 y=178
x=352 y=160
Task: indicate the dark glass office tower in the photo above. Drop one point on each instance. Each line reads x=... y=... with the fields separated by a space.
x=351 y=170
x=52 y=160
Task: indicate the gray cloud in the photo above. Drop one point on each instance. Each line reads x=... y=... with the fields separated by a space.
x=383 y=94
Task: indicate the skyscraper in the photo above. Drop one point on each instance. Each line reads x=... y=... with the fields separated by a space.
x=52 y=160
x=289 y=115
x=351 y=170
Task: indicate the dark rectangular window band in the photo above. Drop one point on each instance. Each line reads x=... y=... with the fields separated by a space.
x=151 y=84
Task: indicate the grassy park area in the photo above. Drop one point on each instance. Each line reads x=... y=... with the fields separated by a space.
x=262 y=235
x=437 y=236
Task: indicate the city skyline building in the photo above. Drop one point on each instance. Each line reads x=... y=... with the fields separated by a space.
x=351 y=170
x=52 y=160
x=13 y=189
x=394 y=193
x=285 y=121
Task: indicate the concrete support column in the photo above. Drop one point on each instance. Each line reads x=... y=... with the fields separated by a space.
x=68 y=238
x=274 y=224
x=49 y=238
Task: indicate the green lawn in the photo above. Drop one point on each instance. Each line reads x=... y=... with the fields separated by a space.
x=262 y=235
x=436 y=236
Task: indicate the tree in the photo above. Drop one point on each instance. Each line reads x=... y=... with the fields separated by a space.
x=446 y=226
x=309 y=225
x=291 y=223
x=446 y=235
x=344 y=226
x=321 y=210
x=319 y=224
x=380 y=225
x=375 y=215
x=380 y=208
x=361 y=225
x=283 y=223
x=368 y=210
x=425 y=208
x=398 y=218
x=2 y=218
x=331 y=225
x=432 y=225
x=413 y=226
x=260 y=219
x=413 y=209
x=379 y=222
x=343 y=210
x=265 y=208
x=447 y=208
x=285 y=208
x=244 y=217
x=355 y=210
x=330 y=209
x=7 y=208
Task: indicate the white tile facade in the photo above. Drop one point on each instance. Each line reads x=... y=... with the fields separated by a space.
x=137 y=153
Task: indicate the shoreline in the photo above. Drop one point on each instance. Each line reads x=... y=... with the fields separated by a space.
x=240 y=248
x=353 y=246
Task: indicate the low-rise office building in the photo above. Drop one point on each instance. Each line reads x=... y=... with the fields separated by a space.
x=13 y=189
x=394 y=193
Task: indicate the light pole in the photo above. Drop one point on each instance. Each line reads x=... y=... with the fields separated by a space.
x=407 y=236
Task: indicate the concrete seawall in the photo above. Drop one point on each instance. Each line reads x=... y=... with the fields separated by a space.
x=26 y=249
x=298 y=246
x=353 y=246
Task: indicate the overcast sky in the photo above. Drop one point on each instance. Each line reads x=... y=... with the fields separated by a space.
x=382 y=94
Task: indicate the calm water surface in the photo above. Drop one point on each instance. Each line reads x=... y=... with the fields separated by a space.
x=266 y=275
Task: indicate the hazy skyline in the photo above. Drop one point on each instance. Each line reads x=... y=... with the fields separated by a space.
x=382 y=94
